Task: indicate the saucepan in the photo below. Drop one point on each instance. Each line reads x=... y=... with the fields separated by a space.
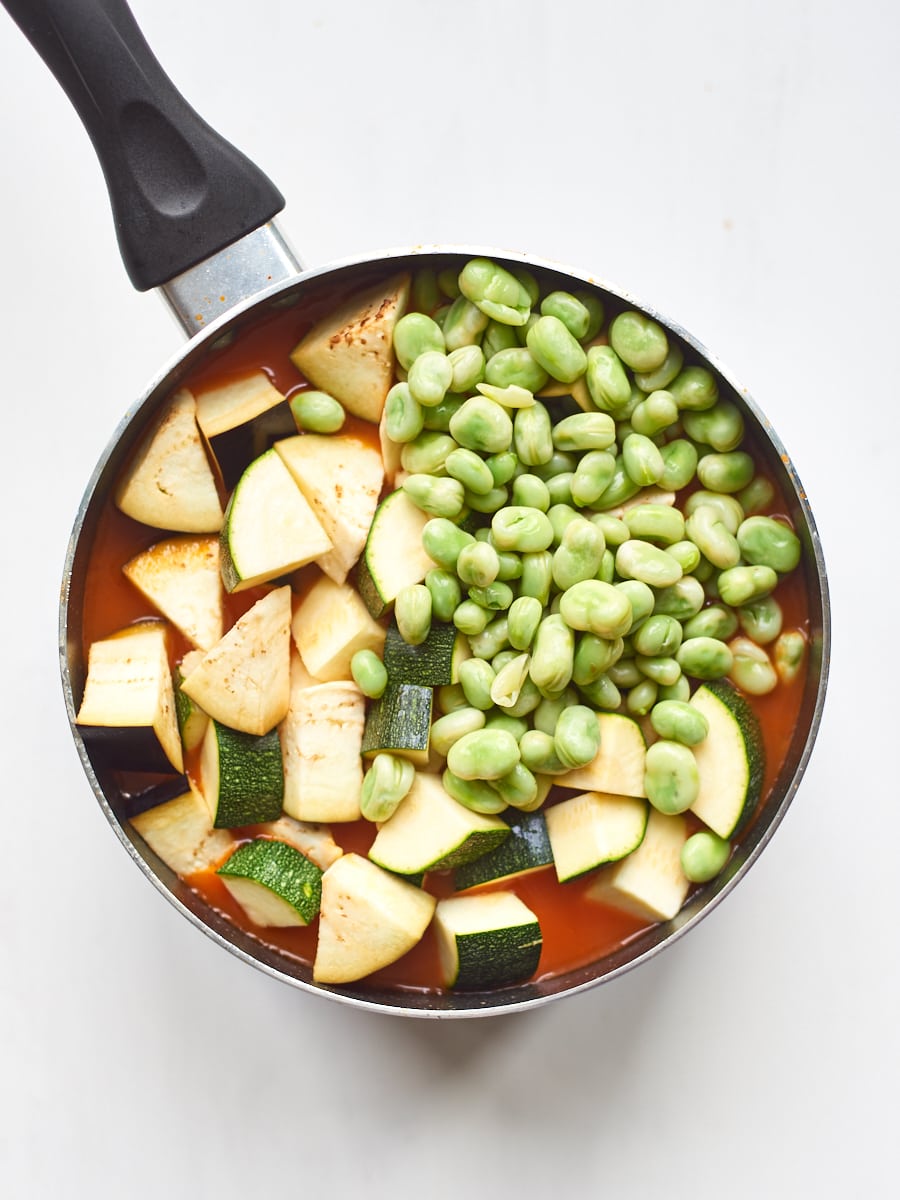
x=195 y=220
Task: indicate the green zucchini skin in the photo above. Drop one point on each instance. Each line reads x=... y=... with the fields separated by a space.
x=251 y=777
x=400 y=722
x=433 y=663
x=526 y=849
x=280 y=868
x=753 y=751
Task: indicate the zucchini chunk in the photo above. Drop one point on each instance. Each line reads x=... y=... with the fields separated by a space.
x=594 y=828
x=269 y=528
x=485 y=941
x=273 y=883
x=329 y=625
x=368 y=919
x=350 y=352
x=179 y=832
x=649 y=883
x=240 y=420
x=321 y=737
x=241 y=776
x=192 y=720
x=430 y=831
x=526 y=850
x=314 y=841
x=244 y=680
x=619 y=764
x=169 y=483
x=394 y=555
x=399 y=722
x=128 y=707
x=341 y=478
x=180 y=576
x=730 y=759
x=432 y=663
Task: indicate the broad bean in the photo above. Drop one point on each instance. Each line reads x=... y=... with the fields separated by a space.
x=437 y=496
x=694 y=388
x=637 y=559
x=495 y=291
x=651 y=522
x=556 y=349
x=576 y=738
x=593 y=657
x=538 y=751
x=520 y=789
x=450 y=728
x=317 y=412
x=726 y=473
x=537 y=574
x=752 y=670
x=529 y=491
x=481 y=424
x=552 y=657
x=744 y=585
x=712 y=538
x=515 y=365
x=475 y=794
x=525 y=530
x=639 y=341
x=493 y=638
x=533 y=435
x=721 y=426
x=464 y=324
x=766 y=542
x=607 y=381
x=414 y=334
x=593 y=606
x=682 y=600
x=585 y=431
x=761 y=621
x=385 y=784
x=704 y=657
x=476 y=677
x=403 y=417
x=579 y=553
x=704 y=855
x=641 y=698
x=471 y=470
x=483 y=754
x=427 y=453
x=467 y=367
x=658 y=635
x=679 y=464
x=509 y=681
x=652 y=381
x=523 y=619
x=569 y=309
x=715 y=621
x=656 y=413
x=412 y=612
x=677 y=721
x=429 y=378
x=602 y=693
x=671 y=777
x=442 y=541
x=369 y=673
x=592 y=476
x=789 y=652
x=478 y=564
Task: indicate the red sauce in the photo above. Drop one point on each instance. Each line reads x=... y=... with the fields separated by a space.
x=576 y=931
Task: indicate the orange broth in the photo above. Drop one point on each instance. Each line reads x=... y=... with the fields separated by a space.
x=576 y=931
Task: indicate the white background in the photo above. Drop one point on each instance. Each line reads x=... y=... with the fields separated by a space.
x=736 y=165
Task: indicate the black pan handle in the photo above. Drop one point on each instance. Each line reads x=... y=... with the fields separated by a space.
x=179 y=191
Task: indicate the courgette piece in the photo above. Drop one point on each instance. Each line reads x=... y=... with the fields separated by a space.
x=430 y=831
x=273 y=883
x=240 y=420
x=192 y=720
x=730 y=759
x=649 y=883
x=619 y=764
x=321 y=736
x=526 y=850
x=313 y=840
x=394 y=555
x=329 y=625
x=368 y=919
x=180 y=576
x=179 y=831
x=241 y=776
x=486 y=941
x=400 y=723
x=432 y=663
x=594 y=828
x=269 y=529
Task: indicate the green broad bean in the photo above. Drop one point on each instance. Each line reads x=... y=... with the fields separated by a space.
x=687 y=554
x=442 y=541
x=510 y=565
x=726 y=473
x=498 y=337
x=450 y=697
x=552 y=656
x=585 y=431
x=596 y=314
x=470 y=618
x=682 y=600
x=653 y=381
x=510 y=396
x=481 y=424
x=474 y=794
x=704 y=570
x=502 y=466
x=501 y=720
x=639 y=341
x=766 y=542
x=607 y=572
x=607 y=380
x=520 y=789
x=641 y=698
x=537 y=574
x=509 y=681
x=489 y=502
x=533 y=435
x=679 y=690
x=403 y=417
x=560 y=517
x=579 y=553
x=448 y=282
x=704 y=657
x=752 y=670
x=464 y=324
x=496 y=596
x=721 y=426
x=728 y=508
x=621 y=488
x=715 y=621
x=538 y=751
x=625 y=673
x=694 y=389
x=593 y=657
x=525 y=530
x=711 y=537
x=429 y=378
x=529 y=283
x=788 y=653
x=653 y=415
x=661 y=668
x=576 y=738
x=657 y=635
x=559 y=488
x=440 y=316
x=499 y=661
x=478 y=564
x=762 y=620
x=523 y=618
x=471 y=470
x=570 y=310
x=415 y=334
x=412 y=612
x=483 y=754
x=593 y=606
x=614 y=529
x=427 y=453
x=680 y=460
x=704 y=855
x=556 y=349
x=592 y=476
x=529 y=699
x=467 y=368
x=446 y=593
x=602 y=694
x=671 y=777
x=548 y=711
x=388 y=779
x=476 y=677
x=651 y=522
x=496 y=292
x=317 y=412
x=560 y=462
x=369 y=673
x=745 y=585
x=515 y=366
x=637 y=559
x=437 y=496
x=450 y=728
x=438 y=418
x=425 y=294
x=641 y=597
x=529 y=491
x=492 y=639
x=677 y=721
x=757 y=496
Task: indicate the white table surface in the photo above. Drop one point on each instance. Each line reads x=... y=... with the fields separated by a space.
x=736 y=165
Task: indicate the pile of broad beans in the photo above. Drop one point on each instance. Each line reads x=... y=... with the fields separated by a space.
x=599 y=531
